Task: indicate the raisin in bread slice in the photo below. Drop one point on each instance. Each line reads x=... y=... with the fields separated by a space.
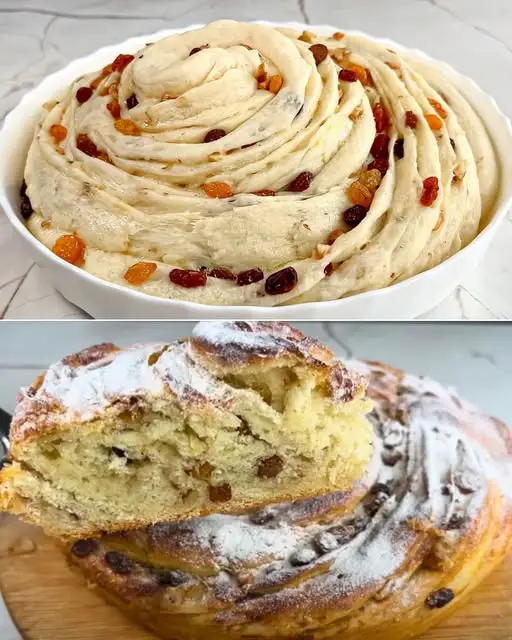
x=240 y=415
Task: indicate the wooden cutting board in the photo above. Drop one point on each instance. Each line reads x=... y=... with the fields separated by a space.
x=49 y=601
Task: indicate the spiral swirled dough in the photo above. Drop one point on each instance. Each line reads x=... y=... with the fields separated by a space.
x=296 y=143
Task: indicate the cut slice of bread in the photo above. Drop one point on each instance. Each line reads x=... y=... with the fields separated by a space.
x=240 y=415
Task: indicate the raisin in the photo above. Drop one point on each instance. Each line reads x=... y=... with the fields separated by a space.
x=83 y=94
x=347 y=75
x=440 y=598
x=363 y=75
x=381 y=117
x=381 y=164
x=360 y=195
x=115 y=109
x=434 y=122
x=140 y=272
x=333 y=236
x=380 y=146
x=281 y=281
x=249 y=276
x=430 y=191
x=127 y=127
x=84 y=548
x=265 y=193
x=118 y=452
x=188 y=278
x=219 y=493
x=302 y=557
x=214 y=134
x=275 y=83
x=222 y=273
x=338 y=35
x=353 y=216
x=173 y=578
x=25 y=204
x=70 y=248
x=217 y=190
x=122 y=61
x=132 y=101
x=438 y=108
x=452 y=142
x=411 y=120
x=320 y=52
x=329 y=269
x=371 y=179
x=58 y=132
x=270 y=467
x=86 y=145
x=194 y=51
x=325 y=542
x=398 y=149
x=301 y=182
x=118 y=562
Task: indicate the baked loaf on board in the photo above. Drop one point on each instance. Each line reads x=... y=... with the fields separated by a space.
x=241 y=415
x=385 y=560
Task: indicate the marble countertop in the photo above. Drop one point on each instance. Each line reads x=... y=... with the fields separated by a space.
x=38 y=37
x=473 y=357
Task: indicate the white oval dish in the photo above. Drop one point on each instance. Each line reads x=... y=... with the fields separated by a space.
x=102 y=299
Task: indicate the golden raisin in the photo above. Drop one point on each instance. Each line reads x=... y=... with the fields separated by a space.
x=434 y=122
x=338 y=35
x=217 y=190
x=261 y=74
x=70 y=248
x=58 y=132
x=103 y=155
x=127 y=127
x=438 y=108
x=275 y=83
x=115 y=109
x=121 y=62
x=371 y=179
x=334 y=235
x=361 y=73
x=140 y=272
x=358 y=193
x=219 y=493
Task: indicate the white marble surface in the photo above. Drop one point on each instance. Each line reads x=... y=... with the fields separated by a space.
x=38 y=37
x=474 y=357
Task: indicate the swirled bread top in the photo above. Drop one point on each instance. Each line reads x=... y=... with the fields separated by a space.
x=143 y=198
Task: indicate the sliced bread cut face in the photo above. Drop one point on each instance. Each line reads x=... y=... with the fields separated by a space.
x=238 y=416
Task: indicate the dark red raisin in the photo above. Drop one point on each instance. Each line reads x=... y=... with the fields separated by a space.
x=381 y=117
x=411 y=120
x=301 y=182
x=214 y=134
x=194 y=50
x=380 y=146
x=270 y=467
x=430 y=191
x=320 y=52
x=353 y=216
x=347 y=75
x=25 y=205
x=399 y=148
x=281 y=281
x=118 y=562
x=172 y=578
x=328 y=269
x=452 y=142
x=222 y=273
x=86 y=145
x=84 y=548
x=131 y=101
x=249 y=276
x=440 y=598
x=381 y=164
x=83 y=94
x=219 y=492
x=188 y=278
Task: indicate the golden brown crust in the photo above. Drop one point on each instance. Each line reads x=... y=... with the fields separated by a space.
x=385 y=561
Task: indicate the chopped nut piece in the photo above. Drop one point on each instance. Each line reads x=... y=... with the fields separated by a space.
x=140 y=272
x=356 y=113
x=217 y=190
x=459 y=172
x=320 y=251
x=307 y=36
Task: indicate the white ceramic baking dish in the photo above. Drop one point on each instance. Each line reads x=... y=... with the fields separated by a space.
x=102 y=299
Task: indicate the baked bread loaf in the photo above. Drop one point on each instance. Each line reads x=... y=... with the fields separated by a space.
x=384 y=560
x=241 y=415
